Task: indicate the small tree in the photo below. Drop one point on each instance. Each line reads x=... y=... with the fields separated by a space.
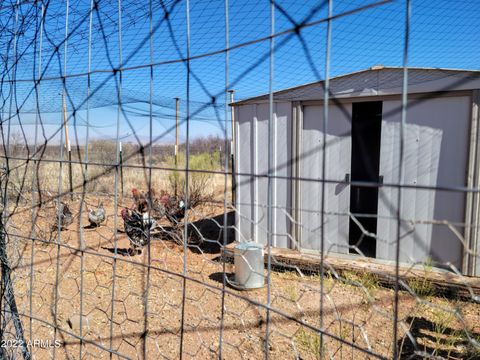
x=18 y=144
x=201 y=167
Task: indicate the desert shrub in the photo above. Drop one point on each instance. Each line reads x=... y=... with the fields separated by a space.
x=199 y=182
x=103 y=151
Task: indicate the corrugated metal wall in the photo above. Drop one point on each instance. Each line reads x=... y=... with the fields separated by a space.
x=252 y=158
x=433 y=157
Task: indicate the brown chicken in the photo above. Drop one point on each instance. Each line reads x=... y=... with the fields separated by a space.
x=141 y=201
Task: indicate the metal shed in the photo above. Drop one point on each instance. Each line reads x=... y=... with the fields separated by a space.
x=441 y=160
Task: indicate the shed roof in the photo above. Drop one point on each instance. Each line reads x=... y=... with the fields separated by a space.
x=378 y=81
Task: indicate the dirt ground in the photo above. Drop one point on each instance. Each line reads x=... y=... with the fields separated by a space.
x=141 y=306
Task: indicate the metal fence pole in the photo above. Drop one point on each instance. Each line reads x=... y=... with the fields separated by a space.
x=69 y=147
x=120 y=157
x=177 y=103
x=232 y=145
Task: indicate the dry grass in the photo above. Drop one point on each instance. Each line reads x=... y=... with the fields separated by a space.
x=52 y=176
x=308 y=343
x=421 y=286
x=364 y=279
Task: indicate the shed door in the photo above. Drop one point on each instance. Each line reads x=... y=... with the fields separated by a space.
x=337 y=194
x=366 y=130
x=433 y=132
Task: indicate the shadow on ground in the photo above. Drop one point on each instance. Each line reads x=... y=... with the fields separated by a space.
x=206 y=235
x=435 y=340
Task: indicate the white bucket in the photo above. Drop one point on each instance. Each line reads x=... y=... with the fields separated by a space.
x=249 y=266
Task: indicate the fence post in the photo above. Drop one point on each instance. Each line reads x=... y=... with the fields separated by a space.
x=232 y=147
x=69 y=148
x=177 y=101
x=70 y=176
x=120 y=156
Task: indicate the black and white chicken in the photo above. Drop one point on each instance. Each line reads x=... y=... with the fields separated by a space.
x=96 y=217
x=63 y=217
x=175 y=210
x=138 y=228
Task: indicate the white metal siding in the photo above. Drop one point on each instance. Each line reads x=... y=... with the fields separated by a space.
x=252 y=158
x=245 y=162
x=282 y=166
x=261 y=159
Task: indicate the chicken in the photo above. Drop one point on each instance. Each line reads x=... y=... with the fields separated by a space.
x=175 y=209
x=169 y=206
x=158 y=206
x=63 y=217
x=138 y=228
x=96 y=217
x=162 y=205
x=141 y=201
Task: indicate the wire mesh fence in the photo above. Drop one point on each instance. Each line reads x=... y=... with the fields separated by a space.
x=217 y=179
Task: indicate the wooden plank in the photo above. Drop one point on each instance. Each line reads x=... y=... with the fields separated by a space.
x=443 y=282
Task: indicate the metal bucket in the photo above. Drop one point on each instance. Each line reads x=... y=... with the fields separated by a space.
x=249 y=266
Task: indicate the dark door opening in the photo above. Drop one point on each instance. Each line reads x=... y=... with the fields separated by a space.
x=366 y=131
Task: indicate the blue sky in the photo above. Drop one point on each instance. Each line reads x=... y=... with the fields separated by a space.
x=443 y=34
